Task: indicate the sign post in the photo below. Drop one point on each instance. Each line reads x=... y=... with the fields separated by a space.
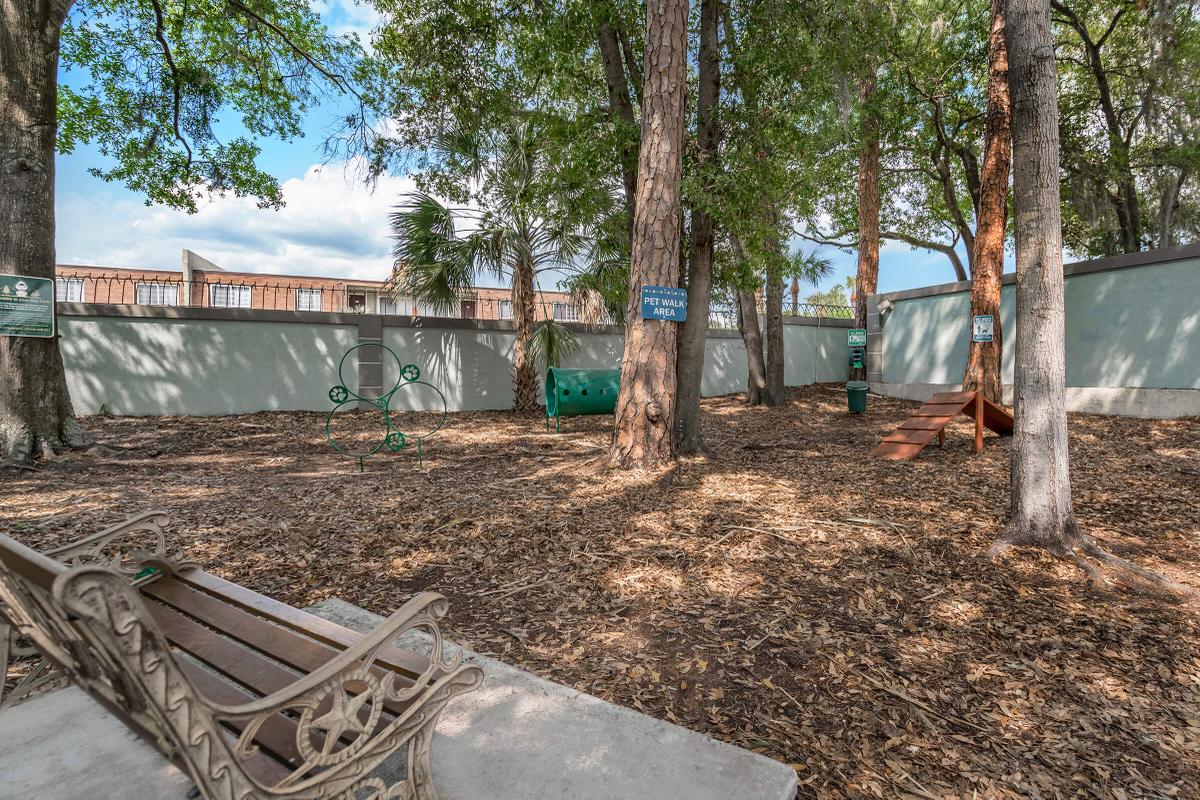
x=982 y=328
x=664 y=302
x=26 y=306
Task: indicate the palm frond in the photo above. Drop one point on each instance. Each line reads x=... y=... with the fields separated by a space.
x=432 y=263
x=553 y=343
x=811 y=267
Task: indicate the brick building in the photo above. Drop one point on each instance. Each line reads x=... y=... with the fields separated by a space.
x=201 y=283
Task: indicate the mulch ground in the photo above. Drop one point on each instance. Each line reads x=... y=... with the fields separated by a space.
x=788 y=594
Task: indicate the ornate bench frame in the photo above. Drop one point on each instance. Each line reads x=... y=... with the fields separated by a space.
x=82 y=607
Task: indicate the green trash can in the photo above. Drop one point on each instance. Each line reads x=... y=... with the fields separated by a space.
x=856 y=396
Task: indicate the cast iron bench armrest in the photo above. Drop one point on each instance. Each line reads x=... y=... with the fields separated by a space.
x=129 y=560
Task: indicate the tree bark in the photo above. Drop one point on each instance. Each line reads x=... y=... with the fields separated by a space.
x=983 y=361
x=690 y=369
x=644 y=429
x=1040 y=512
x=1170 y=206
x=867 y=278
x=524 y=376
x=35 y=407
x=622 y=108
x=756 y=377
x=774 y=396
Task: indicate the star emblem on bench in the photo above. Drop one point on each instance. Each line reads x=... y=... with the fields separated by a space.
x=343 y=717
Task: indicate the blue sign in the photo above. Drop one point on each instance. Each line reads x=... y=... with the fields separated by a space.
x=664 y=302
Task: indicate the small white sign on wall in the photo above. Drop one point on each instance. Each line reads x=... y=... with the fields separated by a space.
x=982 y=328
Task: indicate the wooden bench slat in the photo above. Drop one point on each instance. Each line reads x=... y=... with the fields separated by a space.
x=252 y=670
x=276 y=737
x=241 y=664
x=29 y=564
x=282 y=644
x=314 y=627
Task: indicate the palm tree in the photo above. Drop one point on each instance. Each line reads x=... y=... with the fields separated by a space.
x=435 y=262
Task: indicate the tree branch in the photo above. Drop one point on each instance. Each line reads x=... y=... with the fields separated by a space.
x=1112 y=26
x=335 y=78
x=927 y=244
x=635 y=71
x=176 y=89
x=821 y=240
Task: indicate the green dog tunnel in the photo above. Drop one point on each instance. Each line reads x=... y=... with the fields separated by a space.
x=573 y=392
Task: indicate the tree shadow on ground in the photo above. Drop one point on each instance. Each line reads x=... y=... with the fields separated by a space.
x=787 y=593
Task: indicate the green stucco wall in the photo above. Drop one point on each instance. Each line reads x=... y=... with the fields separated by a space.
x=1126 y=328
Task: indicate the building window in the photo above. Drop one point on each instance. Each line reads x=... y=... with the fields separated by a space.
x=505 y=310
x=565 y=312
x=68 y=290
x=308 y=299
x=389 y=305
x=427 y=310
x=157 y=294
x=356 y=301
x=223 y=295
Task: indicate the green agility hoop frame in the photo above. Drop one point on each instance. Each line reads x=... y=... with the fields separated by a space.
x=393 y=439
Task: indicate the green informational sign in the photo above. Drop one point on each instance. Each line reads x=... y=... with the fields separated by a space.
x=982 y=328
x=856 y=337
x=26 y=306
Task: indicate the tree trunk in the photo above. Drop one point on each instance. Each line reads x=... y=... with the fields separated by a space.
x=983 y=362
x=867 y=278
x=622 y=108
x=524 y=315
x=690 y=368
x=756 y=378
x=644 y=429
x=1170 y=206
x=774 y=395
x=1040 y=512
x=35 y=407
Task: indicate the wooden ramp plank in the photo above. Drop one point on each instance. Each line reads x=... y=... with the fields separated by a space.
x=911 y=436
x=897 y=451
x=930 y=420
x=940 y=410
x=997 y=419
x=925 y=423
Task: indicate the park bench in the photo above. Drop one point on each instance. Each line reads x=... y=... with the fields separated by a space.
x=248 y=696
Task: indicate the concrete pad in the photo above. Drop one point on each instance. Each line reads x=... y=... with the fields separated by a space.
x=518 y=737
x=66 y=746
x=521 y=737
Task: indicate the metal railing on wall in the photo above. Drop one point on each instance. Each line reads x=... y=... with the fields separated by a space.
x=317 y=295
x=300 y=295
x=725 y=316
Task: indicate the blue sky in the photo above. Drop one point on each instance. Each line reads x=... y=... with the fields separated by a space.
x=332 y=225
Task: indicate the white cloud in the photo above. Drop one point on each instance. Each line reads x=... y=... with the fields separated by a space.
x=332 y=225
x=349 y=16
